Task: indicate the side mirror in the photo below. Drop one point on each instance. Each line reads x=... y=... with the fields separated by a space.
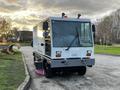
x=93 y=28
x=45 y=25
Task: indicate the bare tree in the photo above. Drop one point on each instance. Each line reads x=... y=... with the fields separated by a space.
x=108 y=30
x=5 y=27
x=104 y=30
x=116 y=26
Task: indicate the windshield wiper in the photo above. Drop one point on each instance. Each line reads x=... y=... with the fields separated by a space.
x=77 y=36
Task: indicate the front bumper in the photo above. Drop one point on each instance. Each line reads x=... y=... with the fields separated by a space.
x=71 y=63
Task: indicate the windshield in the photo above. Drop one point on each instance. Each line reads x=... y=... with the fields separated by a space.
x=64 y=34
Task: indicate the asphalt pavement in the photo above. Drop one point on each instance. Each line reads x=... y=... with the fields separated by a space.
x=105 y=75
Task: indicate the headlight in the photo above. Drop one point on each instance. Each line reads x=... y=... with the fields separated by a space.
x=58 y=53
x=89 y=52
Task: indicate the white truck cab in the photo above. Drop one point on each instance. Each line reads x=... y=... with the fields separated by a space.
x=64 y=44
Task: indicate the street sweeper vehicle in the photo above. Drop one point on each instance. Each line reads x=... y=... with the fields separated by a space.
x=63 y=44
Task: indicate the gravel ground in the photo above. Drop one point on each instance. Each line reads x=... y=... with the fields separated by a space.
x=105 y=75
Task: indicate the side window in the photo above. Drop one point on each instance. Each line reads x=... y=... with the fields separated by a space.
x=85 y=34
x=82 y=31
x=47 y=38
x=87 y=31
x=46 y=33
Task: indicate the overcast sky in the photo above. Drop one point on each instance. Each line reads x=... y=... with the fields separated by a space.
x=33 y=10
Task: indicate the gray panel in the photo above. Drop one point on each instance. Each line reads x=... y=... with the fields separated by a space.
x=71 y=63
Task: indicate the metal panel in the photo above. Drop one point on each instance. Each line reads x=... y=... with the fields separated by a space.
x=70 y=63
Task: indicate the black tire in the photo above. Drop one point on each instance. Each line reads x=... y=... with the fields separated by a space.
x=48 y=71
x=82 y=71
x=34 y=59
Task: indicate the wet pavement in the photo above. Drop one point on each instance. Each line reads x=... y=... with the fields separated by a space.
x=105 y=75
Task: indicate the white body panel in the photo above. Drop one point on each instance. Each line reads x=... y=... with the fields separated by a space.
x=78 y=52
x=38 y=40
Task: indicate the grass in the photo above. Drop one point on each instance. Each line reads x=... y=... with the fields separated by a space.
x=102 y=49
x=25 y=43
x=21 y=43
x=12 y=72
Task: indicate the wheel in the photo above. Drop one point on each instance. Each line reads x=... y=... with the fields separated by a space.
x=82 y=71
x=48 y=71
x=34 y=59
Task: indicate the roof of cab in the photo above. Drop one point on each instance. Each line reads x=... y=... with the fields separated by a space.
x=70 y=19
